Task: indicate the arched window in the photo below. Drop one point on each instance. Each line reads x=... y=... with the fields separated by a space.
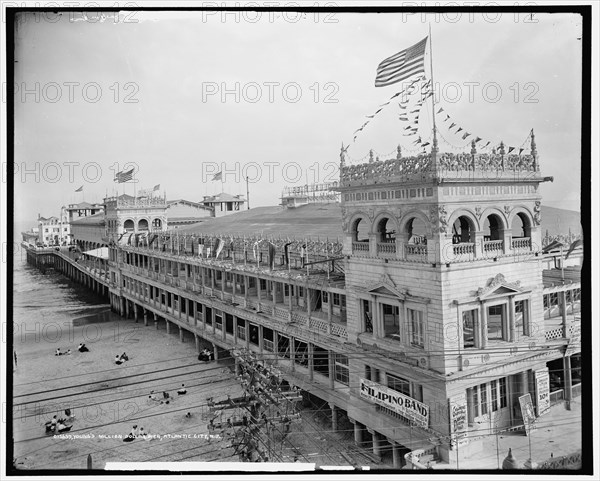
x=521 y=226
x=491 y=228
x=129 y=225
x=463 y=230
x=415 y=231
x=360 y=231
x=156 y=224
x=142 y=225
x=385 y=231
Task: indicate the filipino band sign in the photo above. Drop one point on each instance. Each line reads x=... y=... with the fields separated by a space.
x=406 y=406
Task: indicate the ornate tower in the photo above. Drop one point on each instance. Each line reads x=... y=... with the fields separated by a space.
x=435 y=243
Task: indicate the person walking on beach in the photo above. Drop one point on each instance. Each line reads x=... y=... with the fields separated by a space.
x=58 y=353
x=118 y=360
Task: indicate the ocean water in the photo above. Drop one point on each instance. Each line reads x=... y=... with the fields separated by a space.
x=47 y=307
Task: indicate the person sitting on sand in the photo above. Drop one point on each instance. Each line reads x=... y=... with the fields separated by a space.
x=124 y=357
x=182 y=390
x=83 y=348
x=68 y=353
x=142 y=434
x=58 y=353
x=60 y=427
x=52 y=423
x=188 y=415
x=165 y=395
x=130 y=437
x=135 y=431
x=118 y=360
x=153 y=397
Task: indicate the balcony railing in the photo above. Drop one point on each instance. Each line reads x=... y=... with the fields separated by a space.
x=521 y=243
x=556 y=333
x=415 y=250
x=463 y=248
x=493 y=245
x=386 y=248
x=360 y=247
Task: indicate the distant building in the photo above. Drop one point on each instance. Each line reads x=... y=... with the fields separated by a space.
x=224 y=204
x=126 y=216
x=83 y=209
x=89 y=232
x=54 y=230
x=310 y=194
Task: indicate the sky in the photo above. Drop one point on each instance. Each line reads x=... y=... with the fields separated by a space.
x=179 y=96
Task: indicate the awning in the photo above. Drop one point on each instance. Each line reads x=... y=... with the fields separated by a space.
x=101 y=253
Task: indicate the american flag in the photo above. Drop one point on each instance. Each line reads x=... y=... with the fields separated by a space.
x=401 y=66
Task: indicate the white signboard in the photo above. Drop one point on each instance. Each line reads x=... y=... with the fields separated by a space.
x=575 y=341
x=542 y=389
x=404 y=405
x=458 y=420
x=527 y=413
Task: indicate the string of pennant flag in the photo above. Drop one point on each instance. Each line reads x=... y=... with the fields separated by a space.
x=408 y=66
x=215 y=246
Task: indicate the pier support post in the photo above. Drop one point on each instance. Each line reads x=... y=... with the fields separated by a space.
x=145 y=317
x=197 y=339
x=396 y=455
x=122 y=305
x=180 y=334
x=155 y=321
x=358 y=435
x=334 y=417
x=376 y=443
x=216 y=352
x=135 y=312
x=168 y=326
x=127 y=308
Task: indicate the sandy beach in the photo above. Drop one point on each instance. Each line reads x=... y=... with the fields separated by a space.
x=107 y=400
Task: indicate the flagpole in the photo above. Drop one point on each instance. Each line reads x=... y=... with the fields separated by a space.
x=434 y=146
x=247 y=193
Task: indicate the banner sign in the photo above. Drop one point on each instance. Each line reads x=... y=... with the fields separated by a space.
x=458 y=420
x=404 y=405
x=574 y=341
x=542 y=389
x=527 y=412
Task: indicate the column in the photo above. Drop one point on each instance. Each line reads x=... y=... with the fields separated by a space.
x=484 y=325
x=334 y=417
x=376 y=443
x=145 y=317
x=197 y=341
x=168 y=326
x=512 y=334
x=293 y=352
x=127 y=308
x=471 y=406
x=258 y=289
x=155 y=320
x=329 y=306
x=122 y=305
x=568 y=382
x=135 y=312
x=276 y=345
x=563 y=311
x=397 y=459
x=331 y=369
x=358 y=435
x=216 y=351
x=311 y=369
x=260 y=337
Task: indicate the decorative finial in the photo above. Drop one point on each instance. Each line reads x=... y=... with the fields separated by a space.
x=377 y=159
x=371 y=156
x=473 y=148
x=399 y=153
x=502 y=151
x=533 y=146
